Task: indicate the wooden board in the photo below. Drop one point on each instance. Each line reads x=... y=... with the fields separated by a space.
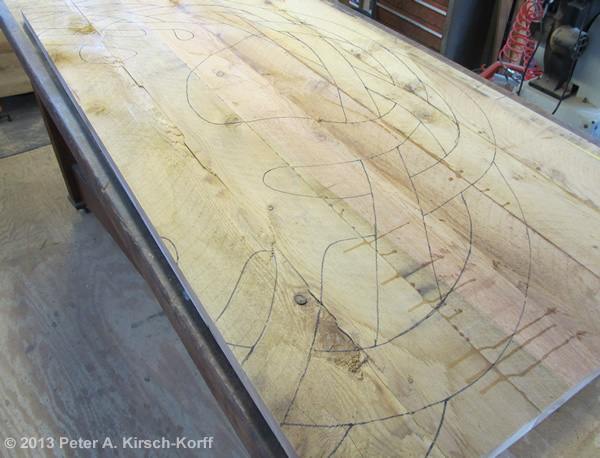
x=443 y=236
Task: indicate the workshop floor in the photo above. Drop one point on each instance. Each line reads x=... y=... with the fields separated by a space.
x=87 y=352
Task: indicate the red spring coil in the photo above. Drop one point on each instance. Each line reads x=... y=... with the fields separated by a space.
x=519 y=47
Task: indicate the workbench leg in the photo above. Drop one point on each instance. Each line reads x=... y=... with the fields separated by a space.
x=65 y=158
x=81 y=194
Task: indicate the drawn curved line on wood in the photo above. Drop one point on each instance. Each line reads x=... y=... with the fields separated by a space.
x=260 y=335
x=183 y=35
x=443 y=298
x=123 y=54
x=443 y=402
x=259 y=34
x=170 y=242
x=460 y=391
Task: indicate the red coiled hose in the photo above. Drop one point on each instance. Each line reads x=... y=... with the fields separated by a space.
x=519 y=47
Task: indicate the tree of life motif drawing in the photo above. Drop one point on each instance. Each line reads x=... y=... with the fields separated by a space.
x=390 y=288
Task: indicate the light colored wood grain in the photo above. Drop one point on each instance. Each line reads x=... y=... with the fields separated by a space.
x=290 y=148
x=87 y=352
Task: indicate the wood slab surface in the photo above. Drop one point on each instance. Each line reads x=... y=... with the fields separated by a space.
x=402 y=259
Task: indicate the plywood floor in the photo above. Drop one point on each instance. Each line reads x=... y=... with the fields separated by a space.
x=26 y=130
